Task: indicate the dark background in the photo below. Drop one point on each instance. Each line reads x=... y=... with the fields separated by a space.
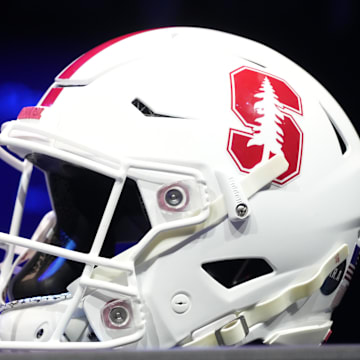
x=39 y=38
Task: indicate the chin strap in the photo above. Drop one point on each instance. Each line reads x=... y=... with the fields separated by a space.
x=237 y=329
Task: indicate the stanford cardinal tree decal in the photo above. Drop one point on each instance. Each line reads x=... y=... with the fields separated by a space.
x=267 y=131
x=271 y=115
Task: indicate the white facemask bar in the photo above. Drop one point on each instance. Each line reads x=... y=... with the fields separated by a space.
x=7 y=264
x=119 y=173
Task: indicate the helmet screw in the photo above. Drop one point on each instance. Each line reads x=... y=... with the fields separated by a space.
x=118 y=315
x=242 y=210
x=180 y=303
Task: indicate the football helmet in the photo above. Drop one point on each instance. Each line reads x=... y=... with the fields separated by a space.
x=204 y=192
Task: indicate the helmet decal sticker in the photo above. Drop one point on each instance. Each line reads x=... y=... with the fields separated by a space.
x=30 y=112
x=333 y=280
x=266 y=105
x=345 y=280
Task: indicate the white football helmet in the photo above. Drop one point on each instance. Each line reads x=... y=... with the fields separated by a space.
x=204 y=192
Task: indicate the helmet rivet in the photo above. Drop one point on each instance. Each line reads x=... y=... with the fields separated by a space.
x=180 y=303
x=242 y=210
x=118 y=315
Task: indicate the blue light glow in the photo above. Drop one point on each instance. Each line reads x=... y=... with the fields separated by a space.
x=37 y=200
x=57 y=263
x=122 y=246
x=13 y=97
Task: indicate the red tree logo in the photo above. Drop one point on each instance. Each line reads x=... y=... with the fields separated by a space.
x=265 y=104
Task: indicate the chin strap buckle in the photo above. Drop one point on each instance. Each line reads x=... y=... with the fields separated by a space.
x=232 y=333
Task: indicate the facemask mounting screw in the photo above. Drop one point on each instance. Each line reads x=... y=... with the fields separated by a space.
x=242 y=210
x=174 y=197
x=118 y=315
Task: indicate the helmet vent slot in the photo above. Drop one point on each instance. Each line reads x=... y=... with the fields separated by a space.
x=342 y=143
x=145 y=110
x=230 y=273
x=256 y=63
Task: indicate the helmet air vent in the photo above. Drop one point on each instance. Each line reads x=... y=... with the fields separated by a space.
x=339 y=135
x=342 y=144
x=145 y=110
x=230 y=273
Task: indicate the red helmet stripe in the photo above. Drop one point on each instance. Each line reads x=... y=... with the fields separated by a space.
x=51 y=96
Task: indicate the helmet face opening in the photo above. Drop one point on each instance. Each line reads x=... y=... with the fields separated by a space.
x=78 y=197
